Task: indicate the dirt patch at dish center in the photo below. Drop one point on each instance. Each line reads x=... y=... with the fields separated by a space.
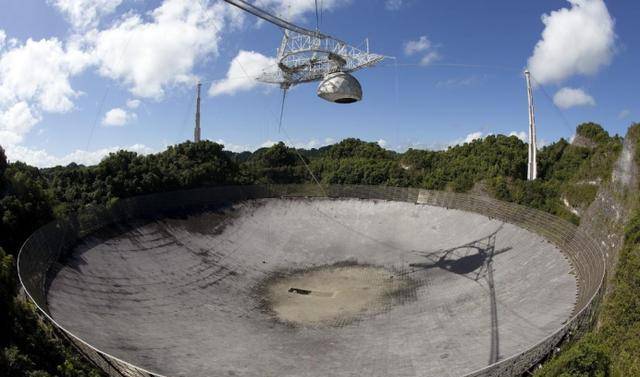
x=334 y=295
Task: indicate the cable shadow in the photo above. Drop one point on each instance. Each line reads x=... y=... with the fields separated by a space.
x=474 y=261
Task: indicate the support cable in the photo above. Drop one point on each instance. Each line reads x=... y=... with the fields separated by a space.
x=317 y=17
x=559 y=112
x=97 y=117
x=284 y=98
x=555 y=107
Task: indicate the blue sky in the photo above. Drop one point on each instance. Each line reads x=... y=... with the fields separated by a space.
x=81 y=78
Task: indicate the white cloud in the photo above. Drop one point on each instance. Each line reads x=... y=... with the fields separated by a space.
x=42 y=159
x=295 y=9
x=575 y=40
x=624 y=114
x=422 y=46
x=382 y=142
x=566 y=98
x=149 y=56
x=520 y=135
x=466 y=140
x=309 y=144
x=3 y=38
x=393 y=5
x=268 y=144
x=414 y=47
x=15 y=122
x=39 y=71
x=237 y=148
x=83 y=14
x=429 y=58
x=439 y=145
x=117 y=117
x=242 y=73
x=471 y=137
x=133 y=103
x=35 y=78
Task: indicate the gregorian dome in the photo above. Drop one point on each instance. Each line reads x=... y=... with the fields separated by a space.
x=340 y=87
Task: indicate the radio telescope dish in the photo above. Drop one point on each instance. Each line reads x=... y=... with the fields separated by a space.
x=307 y=56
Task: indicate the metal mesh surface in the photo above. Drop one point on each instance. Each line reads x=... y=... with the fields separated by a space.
x=49 y=244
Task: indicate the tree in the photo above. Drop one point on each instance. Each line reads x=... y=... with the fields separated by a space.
x=7 y=291
x=349 y=148
x=593 y=131
x=278 y=155
x=3 y=162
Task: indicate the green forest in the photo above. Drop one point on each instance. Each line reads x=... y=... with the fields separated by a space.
x=570 y=174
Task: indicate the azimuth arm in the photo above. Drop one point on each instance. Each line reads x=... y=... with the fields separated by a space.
x=274 y=19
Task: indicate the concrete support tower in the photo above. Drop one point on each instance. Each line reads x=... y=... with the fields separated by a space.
x=197 y=131
x=532 y=171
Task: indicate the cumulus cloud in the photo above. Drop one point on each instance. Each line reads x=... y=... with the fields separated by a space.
x=309 y=144
x=424 y=47
x=83 y=14
x=42 y=159
x=35 y=78
x=149 y=56
x=442 y=145
x=393 y=5
x=624 y=114
x=567 y=98
x=133 y=103
x=117 y=117
x=236 y=148
x=295 y=9
x=520 y=135
x=429 y=58
x=242 y=73
x=3 y=38
x=15 y=122
x=578 y=40
x=268 y=144
x=39 y=71
x=471 y=137
x=413 y=47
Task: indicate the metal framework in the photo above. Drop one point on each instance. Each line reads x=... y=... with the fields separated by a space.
x=307 y=55
x=304 y=58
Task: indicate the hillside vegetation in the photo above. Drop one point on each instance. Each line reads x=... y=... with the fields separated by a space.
x=496 y=166
x=613 y=347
